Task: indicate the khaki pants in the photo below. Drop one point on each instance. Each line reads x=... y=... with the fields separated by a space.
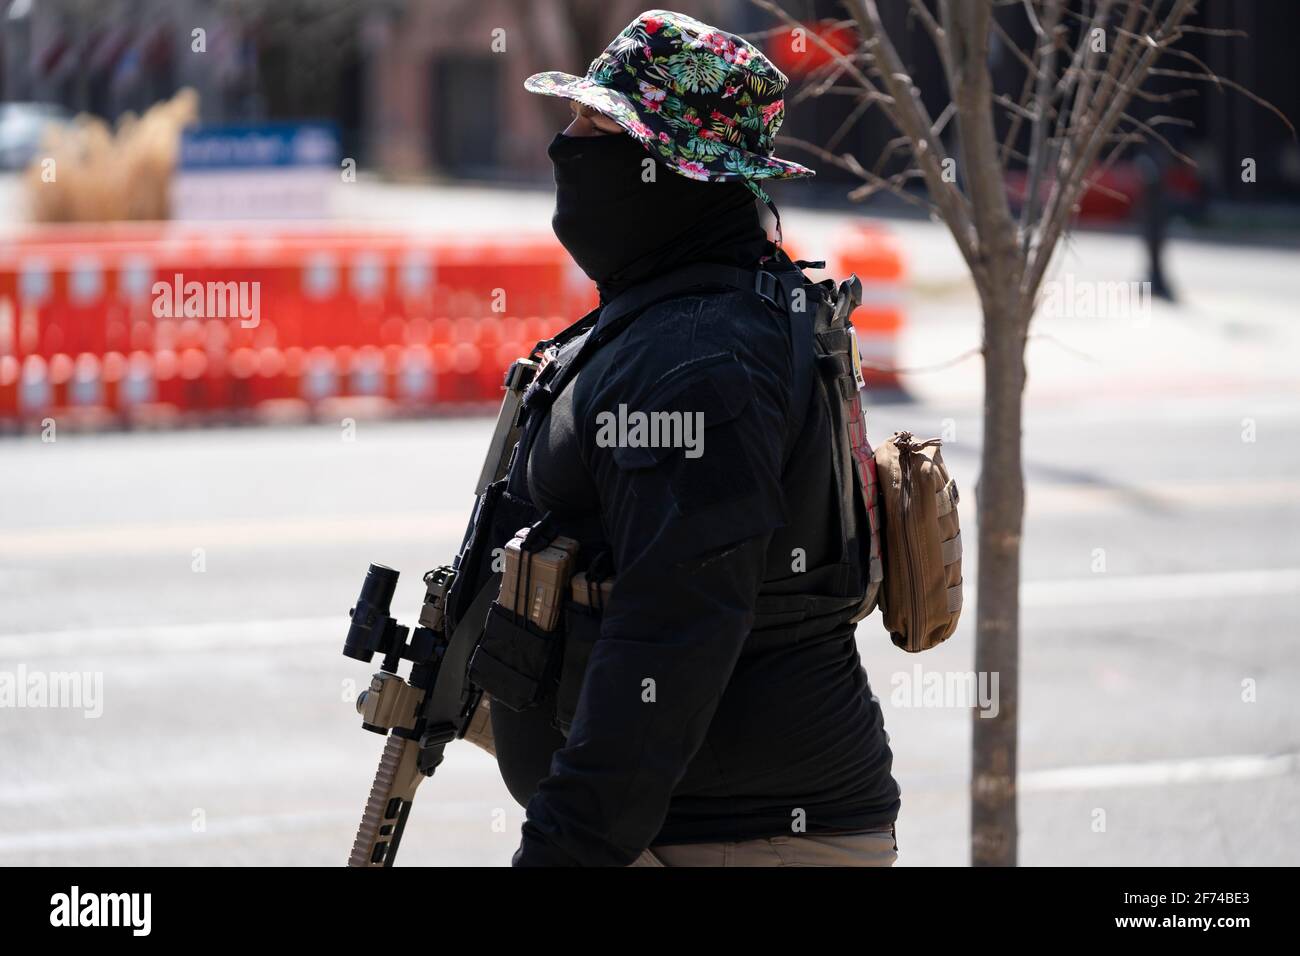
x=853 y=849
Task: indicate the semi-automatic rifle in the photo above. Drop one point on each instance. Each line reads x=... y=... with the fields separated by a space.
x=436 y=703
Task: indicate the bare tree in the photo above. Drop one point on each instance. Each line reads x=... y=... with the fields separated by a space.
x=1088 y=62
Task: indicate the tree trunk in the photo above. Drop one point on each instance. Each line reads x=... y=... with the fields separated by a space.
x=1000 y=496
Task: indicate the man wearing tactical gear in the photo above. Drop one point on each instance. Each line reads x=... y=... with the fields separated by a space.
x=711 y=708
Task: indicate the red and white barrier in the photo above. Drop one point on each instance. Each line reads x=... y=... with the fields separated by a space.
x=143 y=323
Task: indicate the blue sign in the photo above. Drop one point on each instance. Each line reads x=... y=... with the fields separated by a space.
x=261 y=146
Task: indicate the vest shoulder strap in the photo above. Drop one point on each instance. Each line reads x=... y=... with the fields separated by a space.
x=607 y=322
x=776 y=284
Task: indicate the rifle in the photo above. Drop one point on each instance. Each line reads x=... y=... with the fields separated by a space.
x=436 y=703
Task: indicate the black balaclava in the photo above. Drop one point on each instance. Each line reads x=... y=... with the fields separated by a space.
x=622 y=230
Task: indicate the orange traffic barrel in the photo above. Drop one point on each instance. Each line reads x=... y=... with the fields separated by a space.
x=873 y=254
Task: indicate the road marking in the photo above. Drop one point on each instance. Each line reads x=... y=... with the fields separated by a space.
x=178 y=640
x=244 y=534
x=470 y=765
x=1160 y=773
x=226 y=828
x=90 y=838
x=1153 y=588
x=264 y=533
x=1058 y=498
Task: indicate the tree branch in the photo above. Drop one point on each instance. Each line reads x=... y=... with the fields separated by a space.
x=1045 y=60
x=913 y=120
x=1067 y=188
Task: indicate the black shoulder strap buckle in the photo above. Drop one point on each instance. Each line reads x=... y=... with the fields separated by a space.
x=766 y=286
x=619 y=312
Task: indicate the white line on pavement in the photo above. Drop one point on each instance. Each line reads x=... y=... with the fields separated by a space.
x=1153 y=588
x=135 y=834
x=240 y=533
x=265 y=533
x=179 y=639
x=1160 y=773
x=176 y=639
x=1068 y=499
x=219 y=828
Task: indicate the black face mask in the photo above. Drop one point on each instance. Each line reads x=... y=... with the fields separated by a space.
x=622 y=230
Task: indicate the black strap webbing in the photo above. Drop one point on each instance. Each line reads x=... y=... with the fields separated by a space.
x=798 y=311
x=617 y=314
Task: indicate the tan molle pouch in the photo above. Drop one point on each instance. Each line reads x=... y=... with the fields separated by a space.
x=479 y=731
x=517 y=656
x=922 y=590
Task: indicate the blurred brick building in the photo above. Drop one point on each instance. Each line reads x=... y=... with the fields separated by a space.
x=448 y=78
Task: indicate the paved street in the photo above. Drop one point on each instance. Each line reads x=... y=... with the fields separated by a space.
x=207 y=575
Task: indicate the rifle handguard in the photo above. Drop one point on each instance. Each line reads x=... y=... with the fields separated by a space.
x=389 y=803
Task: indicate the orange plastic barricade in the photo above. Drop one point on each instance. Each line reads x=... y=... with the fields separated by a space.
x=154 y=315
x=268 y=381
x=367 y=377
x=279 y=389
x=10 y=374
x=169 y=389
x=61 y=367
x=114 y=372
x=241 y=368
x=138 y=387
x=416 y=382
x=35 y=396
x=320 y=375
x=86 y=389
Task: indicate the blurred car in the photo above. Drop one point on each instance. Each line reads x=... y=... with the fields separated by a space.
x=21 y=127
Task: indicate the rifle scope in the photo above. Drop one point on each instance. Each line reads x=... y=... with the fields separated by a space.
x=373 y=627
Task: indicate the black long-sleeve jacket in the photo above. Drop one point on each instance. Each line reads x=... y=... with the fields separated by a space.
x=724 y=698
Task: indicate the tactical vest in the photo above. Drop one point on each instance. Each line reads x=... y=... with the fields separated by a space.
x=517 y=663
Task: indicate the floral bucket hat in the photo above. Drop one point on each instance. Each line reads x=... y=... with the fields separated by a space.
x=706 y=102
